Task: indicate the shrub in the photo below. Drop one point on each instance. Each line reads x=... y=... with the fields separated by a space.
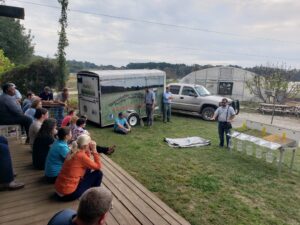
x=33 y=77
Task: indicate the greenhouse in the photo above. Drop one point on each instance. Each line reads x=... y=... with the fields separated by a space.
x=225 y=81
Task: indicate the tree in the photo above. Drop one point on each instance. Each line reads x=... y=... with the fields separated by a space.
x=62 y=44
x=15 y=42
x=5 y=63
x=273 y=81
x=33 y=76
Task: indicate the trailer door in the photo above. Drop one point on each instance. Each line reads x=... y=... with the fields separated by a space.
x=88 y=96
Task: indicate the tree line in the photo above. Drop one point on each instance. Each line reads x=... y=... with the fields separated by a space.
x=30 y=72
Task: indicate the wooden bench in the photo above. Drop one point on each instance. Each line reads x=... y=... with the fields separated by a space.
x=282 y=109
x=35 y=204
x=11 y=131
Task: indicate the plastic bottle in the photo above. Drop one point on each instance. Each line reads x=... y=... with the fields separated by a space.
x=258 y=152
x=239 y=145
x=231 y=144
x=269 y=156
x=249 y=148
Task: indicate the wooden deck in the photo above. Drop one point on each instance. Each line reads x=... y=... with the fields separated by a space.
x=35 y=204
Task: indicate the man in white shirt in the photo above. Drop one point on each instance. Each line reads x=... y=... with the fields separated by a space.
x=225 y=115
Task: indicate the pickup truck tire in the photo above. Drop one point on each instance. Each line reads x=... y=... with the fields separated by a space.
x=133 y=119
x=208 y=112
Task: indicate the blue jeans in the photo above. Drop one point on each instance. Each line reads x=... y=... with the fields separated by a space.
x=222 y=128
x=149 y=113
x=90 y=179
x=59 y=115
x=6 y=170
x=167 y=112
x=120 y=131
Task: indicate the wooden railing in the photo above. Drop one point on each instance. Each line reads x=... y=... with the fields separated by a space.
x=282 y=109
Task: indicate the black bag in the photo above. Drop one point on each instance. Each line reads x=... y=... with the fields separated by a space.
x=228 y=125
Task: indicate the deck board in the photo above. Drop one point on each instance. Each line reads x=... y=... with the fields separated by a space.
x=133 y=204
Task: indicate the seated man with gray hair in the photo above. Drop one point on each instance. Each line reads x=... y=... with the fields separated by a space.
x=93 y=207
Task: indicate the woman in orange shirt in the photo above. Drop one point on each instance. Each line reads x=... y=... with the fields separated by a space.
x=79 y=172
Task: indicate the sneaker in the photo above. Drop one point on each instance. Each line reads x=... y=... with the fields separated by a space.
x=111 y=150
x=12 y=186
x=15 y=185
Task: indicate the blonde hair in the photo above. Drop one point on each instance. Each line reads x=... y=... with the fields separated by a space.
x=73 y=119
x=77 y=145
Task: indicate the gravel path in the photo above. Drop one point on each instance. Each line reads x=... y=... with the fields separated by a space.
x=285 y=122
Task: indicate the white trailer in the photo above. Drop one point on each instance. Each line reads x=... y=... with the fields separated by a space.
x=103 y=94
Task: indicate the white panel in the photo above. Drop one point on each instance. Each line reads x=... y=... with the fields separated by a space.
x=292 y=134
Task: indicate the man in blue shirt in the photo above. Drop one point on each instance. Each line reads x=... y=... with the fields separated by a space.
x=150 y=104
x=167 y=97
x=121 y=125
x=92 y=210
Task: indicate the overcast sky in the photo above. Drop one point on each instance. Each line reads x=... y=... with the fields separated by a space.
x=116 y=32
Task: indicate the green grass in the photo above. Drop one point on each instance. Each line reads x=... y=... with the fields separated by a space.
x=206 y=185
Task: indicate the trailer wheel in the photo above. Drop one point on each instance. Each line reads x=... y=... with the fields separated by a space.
x=133 y=119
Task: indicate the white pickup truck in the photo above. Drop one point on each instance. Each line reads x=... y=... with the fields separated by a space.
x=196 y=100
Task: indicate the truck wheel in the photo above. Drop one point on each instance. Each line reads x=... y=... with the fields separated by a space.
x=133 y=119
x=208 y=113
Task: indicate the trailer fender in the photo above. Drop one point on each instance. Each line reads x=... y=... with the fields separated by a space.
x=132 y=118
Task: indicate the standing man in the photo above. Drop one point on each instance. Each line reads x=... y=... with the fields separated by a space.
x=63 y=99
x=167 y=97
x=150 y=104
x=225 y=115
x=46 y=95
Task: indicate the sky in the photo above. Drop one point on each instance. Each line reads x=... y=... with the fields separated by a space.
x=218 y=32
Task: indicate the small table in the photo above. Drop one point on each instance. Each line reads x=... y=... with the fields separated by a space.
x=286 y=144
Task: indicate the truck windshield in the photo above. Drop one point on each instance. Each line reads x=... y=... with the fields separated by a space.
x=202 y=91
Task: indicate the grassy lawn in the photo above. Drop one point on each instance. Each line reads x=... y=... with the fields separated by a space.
x=206 y=185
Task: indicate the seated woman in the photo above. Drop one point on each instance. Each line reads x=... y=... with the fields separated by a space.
x=7 y=181
x=36 y=104
x=79 y=129
x=41 y=145
x=73 y=121
x=40 y=116
x=66 y=121
x=57 y=154
x=79 y=171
